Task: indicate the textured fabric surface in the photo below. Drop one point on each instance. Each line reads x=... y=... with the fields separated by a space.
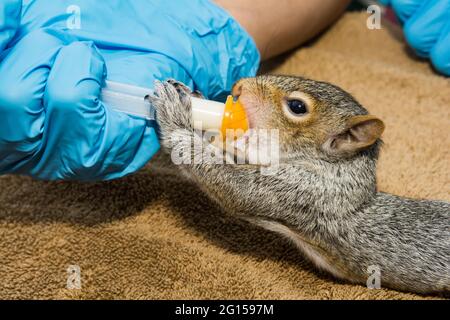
x=155 y=235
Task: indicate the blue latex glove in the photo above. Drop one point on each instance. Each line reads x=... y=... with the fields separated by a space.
x=426 y=28
x=54 y=62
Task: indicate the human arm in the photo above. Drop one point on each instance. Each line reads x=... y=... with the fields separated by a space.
x=280 y=25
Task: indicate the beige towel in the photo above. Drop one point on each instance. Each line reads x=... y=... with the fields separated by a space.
x=154 y=235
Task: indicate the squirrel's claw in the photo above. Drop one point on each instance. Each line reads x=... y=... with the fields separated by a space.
x=172 y=105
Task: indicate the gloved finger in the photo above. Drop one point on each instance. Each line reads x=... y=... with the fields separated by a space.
x=404 y=9
x=24 y=72
x=440 y=53
x=424 y=28
x=84 y=140
x=143 y=69
x=9 y=20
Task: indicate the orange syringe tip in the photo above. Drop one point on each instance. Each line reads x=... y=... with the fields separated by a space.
x=234 y=118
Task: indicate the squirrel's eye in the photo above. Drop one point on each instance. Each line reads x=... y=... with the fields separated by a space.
x=297 y=107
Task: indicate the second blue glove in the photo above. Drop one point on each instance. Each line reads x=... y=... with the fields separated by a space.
x=426 y=28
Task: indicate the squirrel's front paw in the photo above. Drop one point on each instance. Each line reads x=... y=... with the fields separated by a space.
x=171 y=100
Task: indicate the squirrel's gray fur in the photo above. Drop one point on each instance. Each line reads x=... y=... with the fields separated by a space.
x=328 y=205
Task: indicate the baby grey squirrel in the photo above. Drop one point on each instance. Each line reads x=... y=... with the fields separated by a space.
x=324 y=195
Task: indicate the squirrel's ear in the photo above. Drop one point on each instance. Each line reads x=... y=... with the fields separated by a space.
x=362 y=132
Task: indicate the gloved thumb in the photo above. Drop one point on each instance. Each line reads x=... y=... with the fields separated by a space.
x=10 y=11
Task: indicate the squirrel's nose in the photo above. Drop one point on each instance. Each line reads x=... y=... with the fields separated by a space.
x=237 y=89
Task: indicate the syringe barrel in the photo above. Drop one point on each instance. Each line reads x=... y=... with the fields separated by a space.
x=206 y=114
x=128 y=99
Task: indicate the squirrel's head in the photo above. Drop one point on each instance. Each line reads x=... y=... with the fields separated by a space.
x=309 y=115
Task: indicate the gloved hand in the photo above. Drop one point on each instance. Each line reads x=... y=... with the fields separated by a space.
x=426 y=28
x=54 y=62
